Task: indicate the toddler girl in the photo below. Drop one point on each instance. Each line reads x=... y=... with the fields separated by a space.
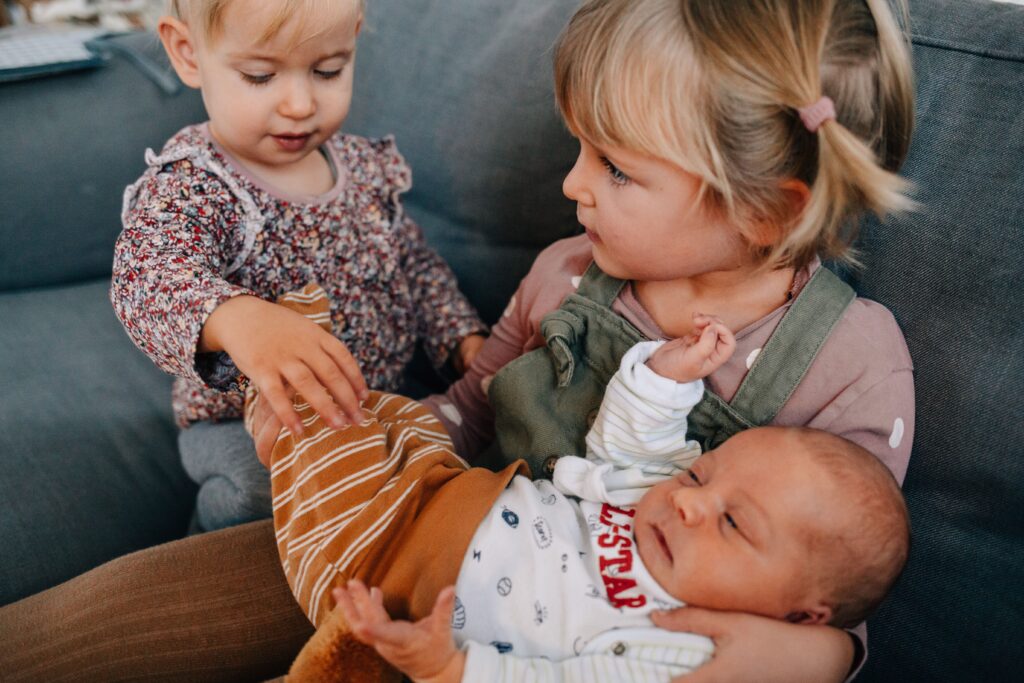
x=725 y=147
x=262 y=198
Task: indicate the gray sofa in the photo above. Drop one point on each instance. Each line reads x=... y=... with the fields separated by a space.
x=89 y=466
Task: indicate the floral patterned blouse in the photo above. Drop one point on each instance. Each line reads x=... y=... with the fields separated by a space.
x=199 y=229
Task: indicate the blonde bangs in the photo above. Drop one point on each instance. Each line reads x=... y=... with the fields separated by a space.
x=620 y=70
x=313 y=16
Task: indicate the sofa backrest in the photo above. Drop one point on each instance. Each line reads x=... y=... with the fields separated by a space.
x=954 y=276
x=68 y=146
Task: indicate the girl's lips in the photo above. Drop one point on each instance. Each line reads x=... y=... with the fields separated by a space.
x=292 y=143
x=592 y=236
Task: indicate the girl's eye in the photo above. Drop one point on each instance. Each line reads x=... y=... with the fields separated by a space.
x=693 y=476
x=617 y=176
x=328 y=75
x=256 y=79
x=730 y=521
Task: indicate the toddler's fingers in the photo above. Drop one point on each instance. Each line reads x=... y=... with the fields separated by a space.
x=274 y=392
x=337 y=385
x=347 y=364
x=306 y=383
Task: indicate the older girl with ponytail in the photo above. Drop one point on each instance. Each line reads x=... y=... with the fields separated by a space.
x=725 y=149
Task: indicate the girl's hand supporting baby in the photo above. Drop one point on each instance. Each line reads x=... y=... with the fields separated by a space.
x=468 y=348
x=424 y=651
x=695 y=356
x=755 y=648
x=282 y=352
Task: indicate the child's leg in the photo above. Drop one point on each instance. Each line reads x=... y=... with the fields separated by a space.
x=214 y=607
x=234 y=487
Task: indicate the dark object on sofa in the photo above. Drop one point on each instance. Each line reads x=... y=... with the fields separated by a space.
x=90 y=469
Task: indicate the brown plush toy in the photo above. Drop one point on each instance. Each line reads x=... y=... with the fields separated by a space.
x=333 y=655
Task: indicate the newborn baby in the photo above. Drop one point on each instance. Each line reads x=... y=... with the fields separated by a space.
x=559 y=579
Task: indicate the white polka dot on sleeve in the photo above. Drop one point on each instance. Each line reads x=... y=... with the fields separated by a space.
x=752 y=357
x=896 y=438
x=452 y=413
x=511 y=307
x=576 y=281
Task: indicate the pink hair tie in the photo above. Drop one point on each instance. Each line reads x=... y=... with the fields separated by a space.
x=813 y=115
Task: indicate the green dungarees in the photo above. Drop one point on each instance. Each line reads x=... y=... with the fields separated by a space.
x=545 y=401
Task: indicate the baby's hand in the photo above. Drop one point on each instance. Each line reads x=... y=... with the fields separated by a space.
x=468 y=348
x=696 y=356
x=424 y=651
x=283 y=352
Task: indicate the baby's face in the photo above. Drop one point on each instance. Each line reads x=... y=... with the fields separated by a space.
x=730 y=533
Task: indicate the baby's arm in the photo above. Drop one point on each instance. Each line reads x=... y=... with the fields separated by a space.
x=639 y=436
x=425 y=650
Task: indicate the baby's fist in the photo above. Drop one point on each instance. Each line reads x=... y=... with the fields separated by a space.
x=696 y=356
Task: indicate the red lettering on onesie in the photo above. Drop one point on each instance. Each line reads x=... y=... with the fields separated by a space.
x=616 y=566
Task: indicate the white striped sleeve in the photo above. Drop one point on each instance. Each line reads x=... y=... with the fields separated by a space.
x=638 y=663
x=638 y=437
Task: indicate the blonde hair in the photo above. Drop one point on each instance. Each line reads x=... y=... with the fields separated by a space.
x=207 y=14
x=714 y=88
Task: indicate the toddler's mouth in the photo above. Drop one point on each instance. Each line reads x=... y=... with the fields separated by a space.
x=292 y=142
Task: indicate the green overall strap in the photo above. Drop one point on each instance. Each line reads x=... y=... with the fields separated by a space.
x=566 y=325
x=796 y=342
x=598 y=286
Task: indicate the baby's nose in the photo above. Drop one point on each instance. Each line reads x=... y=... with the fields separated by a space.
x=688 y=505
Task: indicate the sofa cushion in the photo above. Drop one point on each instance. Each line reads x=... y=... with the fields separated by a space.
x=91 y=469
x=953 y=274
x=466 y=87
x=70 y=145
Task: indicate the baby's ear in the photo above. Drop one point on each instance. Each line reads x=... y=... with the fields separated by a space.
x=180 y=48
x=819 y=614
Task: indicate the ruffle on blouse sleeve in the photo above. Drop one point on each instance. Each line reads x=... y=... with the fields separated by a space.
x=394 y=170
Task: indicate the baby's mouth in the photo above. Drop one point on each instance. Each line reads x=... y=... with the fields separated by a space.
x=662 y=543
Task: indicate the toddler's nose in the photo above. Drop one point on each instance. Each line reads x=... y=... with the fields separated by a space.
x=298 y=101
x=574 y=186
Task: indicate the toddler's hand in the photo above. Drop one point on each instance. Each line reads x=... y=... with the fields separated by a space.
x=278 y=348
x=424 y=651
x=468 y=348
x=696 y=356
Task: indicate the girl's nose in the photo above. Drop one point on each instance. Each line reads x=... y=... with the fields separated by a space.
x=689 y=504
x=298 y=102
x=575 y=186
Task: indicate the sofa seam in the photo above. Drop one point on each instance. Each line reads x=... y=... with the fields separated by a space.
x=943 y=44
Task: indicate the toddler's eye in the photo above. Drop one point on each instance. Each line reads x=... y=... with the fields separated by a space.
x=328 y=75
x=693 y=476
x=256 y=79
x=617 y=176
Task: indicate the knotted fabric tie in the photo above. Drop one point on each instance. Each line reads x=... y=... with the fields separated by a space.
x=813 y=115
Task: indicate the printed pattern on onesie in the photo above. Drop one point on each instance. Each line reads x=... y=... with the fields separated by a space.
x=545 y=574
